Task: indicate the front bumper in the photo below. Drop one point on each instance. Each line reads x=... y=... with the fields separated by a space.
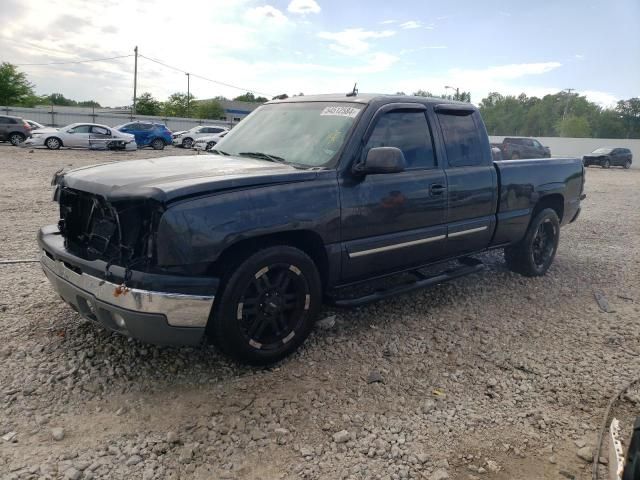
x=37 y=141
x=200 y=145
x=151 y=315
x=177 y=141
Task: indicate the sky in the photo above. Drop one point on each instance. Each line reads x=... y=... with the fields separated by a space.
x=325 y=46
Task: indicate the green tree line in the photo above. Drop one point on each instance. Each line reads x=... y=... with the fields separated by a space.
x=562 y=114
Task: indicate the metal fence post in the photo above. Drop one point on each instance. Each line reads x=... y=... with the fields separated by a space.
x=53 y=118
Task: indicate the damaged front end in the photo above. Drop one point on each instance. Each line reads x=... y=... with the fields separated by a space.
x=119 y=233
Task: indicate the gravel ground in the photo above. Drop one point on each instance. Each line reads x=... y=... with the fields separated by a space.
x=491 y=376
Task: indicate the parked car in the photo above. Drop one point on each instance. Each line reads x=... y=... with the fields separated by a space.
x=14 y=129
x=34 y=125
x=185 y=139
x=208 y=142
x=148 y=134
x=515 y=148
x=308 y=195
x=85 y=135
x=609 y=156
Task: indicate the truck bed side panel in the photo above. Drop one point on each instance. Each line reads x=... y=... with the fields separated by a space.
x=523 y=183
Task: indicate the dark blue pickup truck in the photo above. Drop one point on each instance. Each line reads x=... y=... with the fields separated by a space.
x=304 y=197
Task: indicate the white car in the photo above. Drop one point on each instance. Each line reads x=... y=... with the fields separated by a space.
x=84 y=135
x=208 y=142
x=186 y=139
x=34 y=125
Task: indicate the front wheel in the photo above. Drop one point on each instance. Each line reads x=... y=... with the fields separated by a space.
x=606 y=164
x=534 y=254
x=627 y=165
x=267 y=307
x=157 y=144
x=52 y=143
x=187 y=143
x=210 y=145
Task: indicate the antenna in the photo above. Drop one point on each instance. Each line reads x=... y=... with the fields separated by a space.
x=354 y=92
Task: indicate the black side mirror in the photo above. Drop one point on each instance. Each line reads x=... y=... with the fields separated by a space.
x=382 y=160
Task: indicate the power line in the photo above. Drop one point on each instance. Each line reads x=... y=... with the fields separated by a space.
x=203 y=78
x=72 y=62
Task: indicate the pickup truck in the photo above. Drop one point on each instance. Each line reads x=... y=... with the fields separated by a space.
x=306 y=196
x=515 y=148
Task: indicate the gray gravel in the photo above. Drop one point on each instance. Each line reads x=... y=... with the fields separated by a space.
x=491 y=376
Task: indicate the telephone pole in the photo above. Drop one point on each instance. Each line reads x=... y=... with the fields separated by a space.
x=188 y=93
x=566 y=106
x=457 y=97
x=135 y=80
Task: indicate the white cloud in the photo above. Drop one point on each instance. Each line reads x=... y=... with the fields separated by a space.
x=303 y=6
x=388 y=22
x=578 y=56
x=505 y=72
x=266 y=13
x=353 y=41
x=411 y=24
x=604 y=99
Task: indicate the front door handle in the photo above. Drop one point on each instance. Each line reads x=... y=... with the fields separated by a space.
x=437 y=189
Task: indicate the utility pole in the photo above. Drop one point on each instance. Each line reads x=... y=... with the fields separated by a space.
x=566 y=106
x=457 y=97
x=188 y=93
x=135 y=80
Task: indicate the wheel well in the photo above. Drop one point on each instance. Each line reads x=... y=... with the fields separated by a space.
x=554 y=201
x=19 y=133
x=309 y=242
x=57 y=138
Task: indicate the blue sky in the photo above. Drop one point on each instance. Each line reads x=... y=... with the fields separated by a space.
x=321 y=46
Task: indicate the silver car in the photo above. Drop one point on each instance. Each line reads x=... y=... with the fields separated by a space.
x=82 y=135
x=186 y=139
x=208 y=142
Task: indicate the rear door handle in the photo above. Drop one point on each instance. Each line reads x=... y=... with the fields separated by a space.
x=437 y=189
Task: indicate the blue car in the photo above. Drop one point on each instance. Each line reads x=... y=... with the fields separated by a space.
x=148 y=134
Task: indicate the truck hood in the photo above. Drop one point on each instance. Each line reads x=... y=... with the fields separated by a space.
x=171 y=178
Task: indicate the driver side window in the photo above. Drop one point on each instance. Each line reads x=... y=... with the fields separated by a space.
x=408 y=131
x=81 y=129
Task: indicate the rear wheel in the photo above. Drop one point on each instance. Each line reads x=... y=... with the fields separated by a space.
x=157 y=144
x=210 y=145
x=515 y=156
x=534 y=254
x=606 y=164
x=16 y=139
x=187 y=143
x=627 y=165
x=268 y=306
x=53 y=143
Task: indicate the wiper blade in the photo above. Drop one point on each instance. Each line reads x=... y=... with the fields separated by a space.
x=218 y=152
x=263 y=156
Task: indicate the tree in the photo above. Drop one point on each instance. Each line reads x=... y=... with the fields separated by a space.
x=629 y=111
x=176 y=105
x=146 y=104
x=60 y=99
x=572 y=126
x=210 y=109
x=250 y=97
x=14 y=86
x=282 y=96
x=423 y=93
x=88 y=103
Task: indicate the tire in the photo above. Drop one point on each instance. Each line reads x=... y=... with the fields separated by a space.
x=534 y=254
x=16 y=138
x=210 y=145
x=187 y=143
x=627 y=165
x=157 y=144
x=515 y=156
x=53 y=143
x=244 y=326
x=606 y=164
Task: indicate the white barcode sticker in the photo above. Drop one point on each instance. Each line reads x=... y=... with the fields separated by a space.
x=341 y=111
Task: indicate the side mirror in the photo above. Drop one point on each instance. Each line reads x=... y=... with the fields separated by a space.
x=382 y=160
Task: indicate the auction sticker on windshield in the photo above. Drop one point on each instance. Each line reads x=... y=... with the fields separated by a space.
x=341 y=111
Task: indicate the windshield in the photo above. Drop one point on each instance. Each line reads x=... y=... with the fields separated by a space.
x=602 y=150
x=307 y=134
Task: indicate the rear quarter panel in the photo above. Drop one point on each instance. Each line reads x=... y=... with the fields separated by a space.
x=523 y=183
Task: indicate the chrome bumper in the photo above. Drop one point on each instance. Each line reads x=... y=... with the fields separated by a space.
x=180 y=310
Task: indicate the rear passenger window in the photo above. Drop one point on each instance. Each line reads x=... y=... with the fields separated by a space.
x=462 y=140
x=408 y=131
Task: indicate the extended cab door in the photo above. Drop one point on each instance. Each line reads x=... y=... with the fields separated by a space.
x=393 y=221
x=78 y=136
x=471 y=179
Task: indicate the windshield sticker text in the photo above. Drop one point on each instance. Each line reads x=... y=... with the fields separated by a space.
x=341 y=111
